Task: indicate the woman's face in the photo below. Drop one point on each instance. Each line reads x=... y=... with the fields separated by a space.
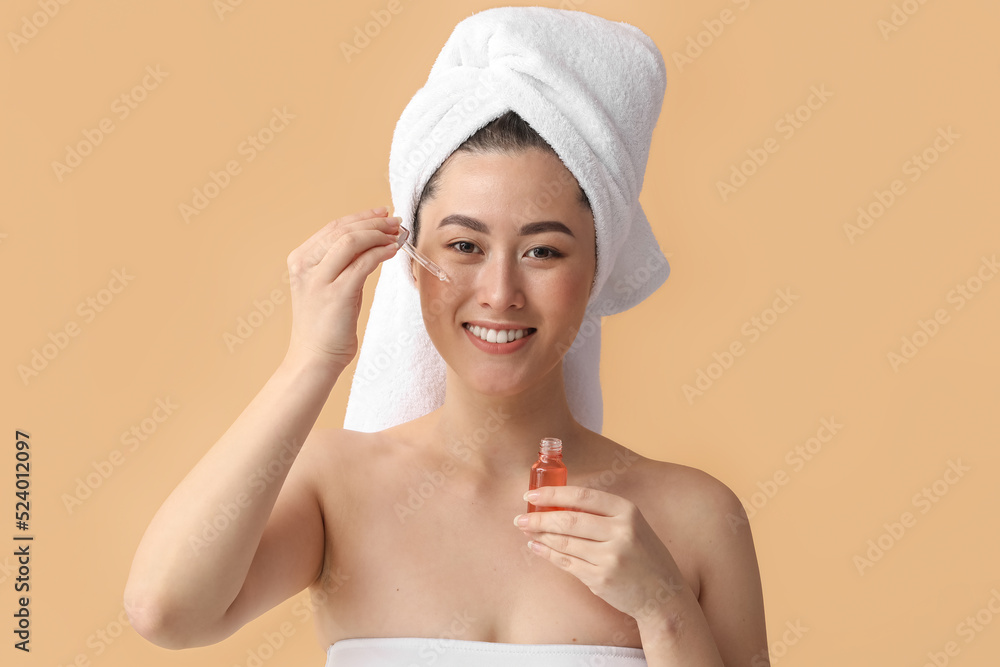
x=518 y=247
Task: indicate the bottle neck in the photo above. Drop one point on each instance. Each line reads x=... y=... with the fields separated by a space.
x=550 y=449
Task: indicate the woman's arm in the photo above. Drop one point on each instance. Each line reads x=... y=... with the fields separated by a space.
x=236 y=537
x=730 y=594
x=194 y=557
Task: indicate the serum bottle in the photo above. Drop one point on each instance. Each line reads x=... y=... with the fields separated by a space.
x=548 y=470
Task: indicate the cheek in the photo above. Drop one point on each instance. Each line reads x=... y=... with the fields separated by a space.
x=437 y=301
x=572 y=285
x=565 y=297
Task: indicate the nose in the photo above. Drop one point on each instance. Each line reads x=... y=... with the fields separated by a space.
x=498 y=283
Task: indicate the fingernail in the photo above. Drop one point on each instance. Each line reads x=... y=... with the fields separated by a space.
x=530 y=495
x=404 y=233
x=521 y=520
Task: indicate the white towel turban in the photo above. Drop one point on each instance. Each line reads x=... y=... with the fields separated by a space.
x=593 y=89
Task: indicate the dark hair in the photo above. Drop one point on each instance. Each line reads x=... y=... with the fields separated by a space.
x=508 y=134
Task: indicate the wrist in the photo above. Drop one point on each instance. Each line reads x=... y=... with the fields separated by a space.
x=667 y=615
x=298 y=361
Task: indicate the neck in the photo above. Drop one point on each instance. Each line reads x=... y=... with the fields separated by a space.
x=496 y=438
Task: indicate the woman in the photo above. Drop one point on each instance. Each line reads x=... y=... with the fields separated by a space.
x=643 y=566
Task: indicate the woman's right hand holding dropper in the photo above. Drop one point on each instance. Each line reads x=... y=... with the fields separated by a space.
x=327 y=275
x=231 y=542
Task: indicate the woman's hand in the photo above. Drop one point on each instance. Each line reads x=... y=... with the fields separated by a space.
x=327 y=274
x=605 y=542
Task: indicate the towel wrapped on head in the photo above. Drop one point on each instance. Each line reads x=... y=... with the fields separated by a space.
x=593 y=89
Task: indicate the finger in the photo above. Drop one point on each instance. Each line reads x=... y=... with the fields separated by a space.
x=351 y=218
x=570 y=522
x=352 y=280
x=320 y=247
x=588 y=551
x=579 y=567
x=345 y=253
x=581 y=498
x=314 y=248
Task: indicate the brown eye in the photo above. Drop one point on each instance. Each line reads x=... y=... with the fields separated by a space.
x=552 y=253
x=462 y=243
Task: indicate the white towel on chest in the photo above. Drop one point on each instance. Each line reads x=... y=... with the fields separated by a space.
x=593 y=89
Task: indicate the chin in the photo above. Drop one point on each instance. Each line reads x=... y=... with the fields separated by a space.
x=493 y=383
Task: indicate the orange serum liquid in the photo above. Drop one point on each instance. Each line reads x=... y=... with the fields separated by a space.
x=548 y=470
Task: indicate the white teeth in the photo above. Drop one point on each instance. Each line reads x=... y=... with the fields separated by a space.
x=497 y=336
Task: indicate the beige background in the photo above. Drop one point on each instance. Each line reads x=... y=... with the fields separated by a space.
x=826 y=357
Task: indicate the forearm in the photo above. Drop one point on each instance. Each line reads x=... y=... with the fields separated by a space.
x=194 y=556
x=676 y=633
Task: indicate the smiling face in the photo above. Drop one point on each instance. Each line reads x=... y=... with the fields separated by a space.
x=518 y=246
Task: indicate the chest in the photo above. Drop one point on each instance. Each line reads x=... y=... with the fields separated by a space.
x=457 y=569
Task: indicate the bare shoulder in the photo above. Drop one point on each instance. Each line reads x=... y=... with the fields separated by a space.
x=698 y=499
x=337 y=446
x=705 y=527
x=679 y=494
x=338 y=459
x=696 y=515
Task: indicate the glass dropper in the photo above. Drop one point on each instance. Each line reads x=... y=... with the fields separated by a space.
x=419 y=257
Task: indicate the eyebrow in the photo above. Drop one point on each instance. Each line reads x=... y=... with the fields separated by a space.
x=530 y=228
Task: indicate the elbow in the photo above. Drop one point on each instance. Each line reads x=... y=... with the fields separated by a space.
x=149 y=620
x=159 y=623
